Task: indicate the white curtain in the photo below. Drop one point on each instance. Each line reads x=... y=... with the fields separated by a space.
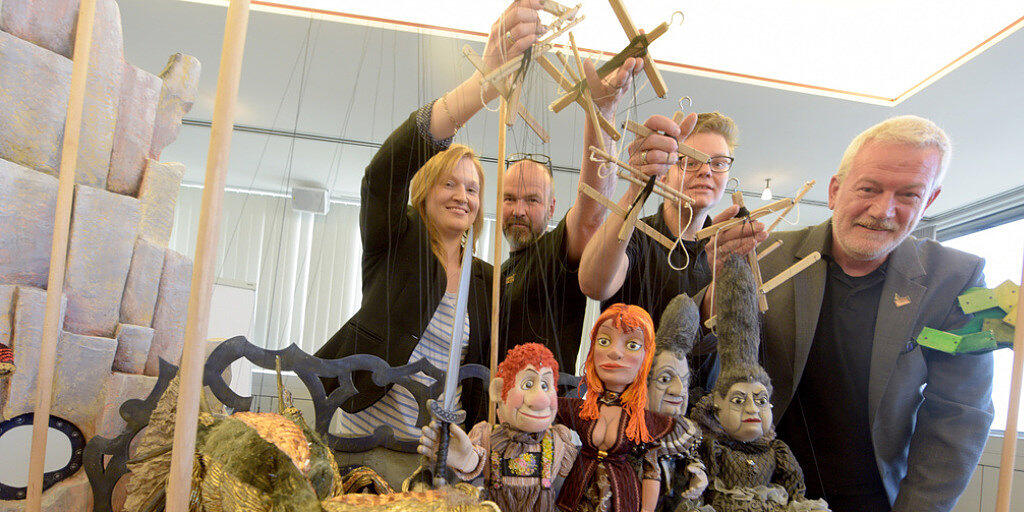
x=305 y=267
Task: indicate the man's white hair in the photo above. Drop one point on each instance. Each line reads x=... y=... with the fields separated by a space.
x=913 y=130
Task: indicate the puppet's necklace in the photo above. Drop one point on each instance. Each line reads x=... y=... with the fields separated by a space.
x=610 y=398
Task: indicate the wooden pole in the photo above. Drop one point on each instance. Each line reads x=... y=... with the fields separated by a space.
x=1010 y=433
x=496 y=278
x=192 y=355
x=58 y=254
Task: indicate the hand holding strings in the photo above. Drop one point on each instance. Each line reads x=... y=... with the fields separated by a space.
x=517 y=29
x=608 y=91
x=738 y=240
x=655 y=154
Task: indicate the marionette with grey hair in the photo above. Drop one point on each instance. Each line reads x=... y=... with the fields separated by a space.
x=750 y=470
x=683 y=474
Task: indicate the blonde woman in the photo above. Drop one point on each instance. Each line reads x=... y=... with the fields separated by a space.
x=419 y=198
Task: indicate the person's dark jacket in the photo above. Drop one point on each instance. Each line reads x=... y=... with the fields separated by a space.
x=403 y=281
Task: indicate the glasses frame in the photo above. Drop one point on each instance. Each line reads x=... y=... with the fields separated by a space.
x=683 y=158
x=539 y=158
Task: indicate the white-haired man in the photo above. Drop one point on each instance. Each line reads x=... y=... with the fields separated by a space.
x=878 y=422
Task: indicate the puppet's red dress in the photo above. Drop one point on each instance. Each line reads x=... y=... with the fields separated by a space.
x=606 y=481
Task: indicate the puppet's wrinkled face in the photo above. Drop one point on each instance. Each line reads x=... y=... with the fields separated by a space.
x=667 y=385
x=454 y=201
x=745 y=412
x=618 y=356
x=531 y=403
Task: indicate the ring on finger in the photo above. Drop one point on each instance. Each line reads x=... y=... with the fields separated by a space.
x=643 y=157
x=510 y=38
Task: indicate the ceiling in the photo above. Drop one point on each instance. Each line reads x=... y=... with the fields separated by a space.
x=889 y=49
x=350 y=85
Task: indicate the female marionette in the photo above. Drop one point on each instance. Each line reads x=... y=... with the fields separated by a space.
x=419 y=197
x=612 y=419
x=750 y=470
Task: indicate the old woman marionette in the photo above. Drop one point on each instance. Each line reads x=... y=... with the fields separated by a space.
x=749 y=469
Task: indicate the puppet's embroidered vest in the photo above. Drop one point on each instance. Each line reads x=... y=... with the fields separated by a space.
x=526 y=465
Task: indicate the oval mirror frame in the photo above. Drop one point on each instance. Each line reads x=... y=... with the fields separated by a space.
x=50 y=478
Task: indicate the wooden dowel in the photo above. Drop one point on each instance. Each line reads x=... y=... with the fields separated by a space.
x=796 y=199
x=617 y=210
x=1010 y=432
x=588 y=100
x=630 y=178
x=643 y=131
x=568 y=69
x=754 y=214
x=761 y=255
x=793 y=270
x=58 y=254
x=653 y=75
x=496 y=260
x=658 y=185
x=193 y=354
x=478 y=63
x=630 y=220
x=565 y=84
x=774 y=282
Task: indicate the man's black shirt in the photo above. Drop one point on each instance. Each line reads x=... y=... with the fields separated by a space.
x=827 y=424
x=541 y=299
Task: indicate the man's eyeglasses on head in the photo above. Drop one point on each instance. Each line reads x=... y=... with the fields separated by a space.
x=533 y=157
x=715 y=163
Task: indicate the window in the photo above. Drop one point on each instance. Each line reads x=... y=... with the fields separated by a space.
x=1003 y=249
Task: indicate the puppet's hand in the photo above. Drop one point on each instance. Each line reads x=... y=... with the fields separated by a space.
x=517 y=29
x=460 y=449
x=609 y=90
x=698 y=481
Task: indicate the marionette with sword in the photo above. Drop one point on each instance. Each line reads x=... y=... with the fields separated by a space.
x=521 y=455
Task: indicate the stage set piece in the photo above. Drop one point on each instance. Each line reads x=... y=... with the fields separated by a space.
x=89 y=281
x=104 y=327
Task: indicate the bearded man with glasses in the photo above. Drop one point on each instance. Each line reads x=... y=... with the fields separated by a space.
x=639 y=270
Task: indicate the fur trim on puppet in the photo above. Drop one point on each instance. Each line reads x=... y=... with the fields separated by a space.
x=775 y=495
x=738 y=327
x=679 y=326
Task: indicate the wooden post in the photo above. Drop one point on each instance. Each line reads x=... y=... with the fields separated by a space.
x=58 y=254
x=193 y=354
x=1010 y=433
x=496 y=275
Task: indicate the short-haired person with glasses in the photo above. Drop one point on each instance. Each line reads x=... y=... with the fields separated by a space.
x=639 y=270
x=541 y=297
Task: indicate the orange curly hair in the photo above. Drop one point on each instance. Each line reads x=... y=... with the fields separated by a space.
x=518 y=357
x=625 y=318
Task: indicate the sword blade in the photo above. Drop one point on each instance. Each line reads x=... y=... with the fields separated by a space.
x=451 y=379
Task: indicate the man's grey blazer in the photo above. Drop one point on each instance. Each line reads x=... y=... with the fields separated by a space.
x=929 y=411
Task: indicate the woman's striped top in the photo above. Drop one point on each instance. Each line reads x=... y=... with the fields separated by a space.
x=398 y=408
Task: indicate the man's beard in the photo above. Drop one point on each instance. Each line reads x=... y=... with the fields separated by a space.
x=519 y=238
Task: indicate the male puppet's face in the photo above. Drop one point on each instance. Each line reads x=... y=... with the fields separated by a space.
x=745 y=411
x=667 y=386
x=527 y=205
x=531 y=403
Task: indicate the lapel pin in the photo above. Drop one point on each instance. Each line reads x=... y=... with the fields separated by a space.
x=900 y=300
